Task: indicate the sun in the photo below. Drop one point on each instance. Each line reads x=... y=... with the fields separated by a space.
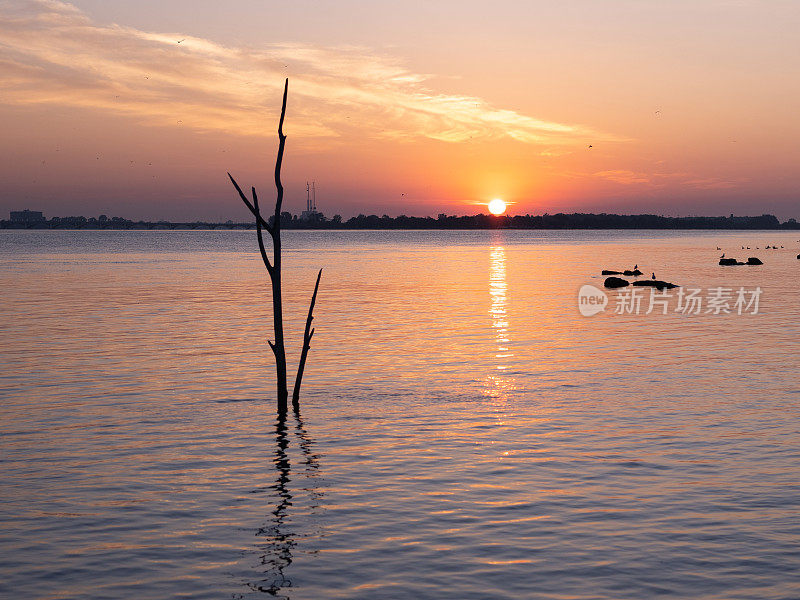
x=497 y=207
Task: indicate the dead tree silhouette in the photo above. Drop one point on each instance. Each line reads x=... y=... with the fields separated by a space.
x=273 y=227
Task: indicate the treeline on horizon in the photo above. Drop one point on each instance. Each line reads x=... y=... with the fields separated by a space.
x=443 y=221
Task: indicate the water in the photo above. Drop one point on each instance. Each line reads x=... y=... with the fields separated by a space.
x=464 y=434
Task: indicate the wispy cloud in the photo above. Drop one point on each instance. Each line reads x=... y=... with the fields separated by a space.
x=660 y=179
x=623 y=176
x=713 y=183
x=52 y=53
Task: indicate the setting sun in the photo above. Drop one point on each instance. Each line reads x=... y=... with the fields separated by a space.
x=497 y=207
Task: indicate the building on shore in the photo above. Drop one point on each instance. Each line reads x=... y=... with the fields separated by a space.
x=310 y=213
x=27 y=216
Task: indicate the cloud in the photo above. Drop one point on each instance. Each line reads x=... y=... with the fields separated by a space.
x=712 y=183
x=53 y=54
x=660 y=179
x=624 y=177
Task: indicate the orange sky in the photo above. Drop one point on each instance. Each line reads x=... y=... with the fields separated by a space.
x=689 y=107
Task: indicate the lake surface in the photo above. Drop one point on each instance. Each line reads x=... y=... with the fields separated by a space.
x=465 y=433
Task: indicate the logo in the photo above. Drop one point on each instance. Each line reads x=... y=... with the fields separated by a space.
x=591 y=300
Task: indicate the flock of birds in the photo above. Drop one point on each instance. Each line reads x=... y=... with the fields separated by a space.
x=723 y=260
x=757 y=248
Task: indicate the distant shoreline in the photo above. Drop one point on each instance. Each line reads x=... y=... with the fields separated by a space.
x=560 y=221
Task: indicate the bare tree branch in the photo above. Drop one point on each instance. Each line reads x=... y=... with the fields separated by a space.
x=279 y=161
x=252 y=208
x=307 y=335
x=260 y=236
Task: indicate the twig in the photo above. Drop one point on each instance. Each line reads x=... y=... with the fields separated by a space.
x=307 y=335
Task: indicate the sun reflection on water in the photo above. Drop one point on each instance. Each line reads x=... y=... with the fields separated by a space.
x=499 y=383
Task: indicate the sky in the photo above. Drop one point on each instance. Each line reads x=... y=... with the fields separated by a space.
x=138 y=109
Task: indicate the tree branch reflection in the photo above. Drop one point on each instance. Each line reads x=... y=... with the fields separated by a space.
x=279 y=537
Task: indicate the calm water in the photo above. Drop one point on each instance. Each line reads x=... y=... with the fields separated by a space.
x=465 y=433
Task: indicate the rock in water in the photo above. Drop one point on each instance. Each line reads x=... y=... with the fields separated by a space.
x=615 y=282
x=634 y=273
x=729 y=261
x=754 y=261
